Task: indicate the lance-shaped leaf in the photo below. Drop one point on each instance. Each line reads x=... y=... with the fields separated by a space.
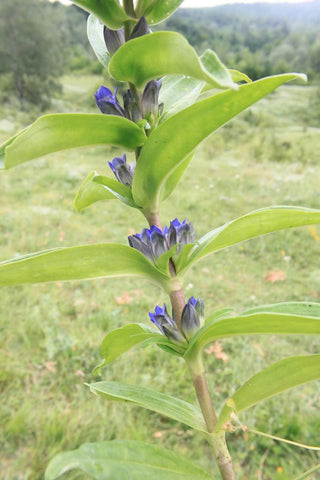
x=254 y=224
x=123 y=460
x=99 y=187
x=309 y=309
x=253 y=324
x=277 y=378
x=122 y=339
x=75 y=263
x=134 y=61
x=110 y=12
x=178 y=137
x=158 y=402
x=96 y=39
x=61 y=131
x=157 y=10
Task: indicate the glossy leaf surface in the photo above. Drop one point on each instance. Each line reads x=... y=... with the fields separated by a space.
x=277 y=378
x=254 y=224
x=159 y=10
x=122 y=339
x=309 y=309
x=96 y=39
x=61 y=131
x=178 y=137
x=134 y=61
x=110 y=12
x=158 y=402
x=254 y=324
x=75 y=263
x=121 y=460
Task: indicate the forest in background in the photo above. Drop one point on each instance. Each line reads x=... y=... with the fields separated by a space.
x=41 y=41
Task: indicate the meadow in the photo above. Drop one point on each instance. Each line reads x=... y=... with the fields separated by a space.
x=51 y=333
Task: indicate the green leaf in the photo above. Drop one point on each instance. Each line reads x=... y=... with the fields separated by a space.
x=177 y=93
x=253 y=324
x=309 y=309
x=96 y=39
x=158 y=402
x=90 y=192
x=254 y=224
x=134 y=61
x=75 y=263
x=110 y=12
x=277 y=378
x=121 y=460
x=160 y=10
x=174 y=140
x=239 y=76
x=61 y=131
x=122 y=339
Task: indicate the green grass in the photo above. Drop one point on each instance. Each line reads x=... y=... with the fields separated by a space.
x=51 y=333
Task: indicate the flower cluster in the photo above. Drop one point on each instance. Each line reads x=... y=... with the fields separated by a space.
x=122 y=170
x=154 y=242
x=191 y=320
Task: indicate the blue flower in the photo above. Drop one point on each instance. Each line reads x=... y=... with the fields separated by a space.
x=107 y=102
x=122 y=170
x=154 y=242
x=192 y=317
x=166 y=324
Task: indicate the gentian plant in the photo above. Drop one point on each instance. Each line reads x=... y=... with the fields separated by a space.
x=172 y=101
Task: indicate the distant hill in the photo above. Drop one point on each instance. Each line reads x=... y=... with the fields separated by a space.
x=259 y=38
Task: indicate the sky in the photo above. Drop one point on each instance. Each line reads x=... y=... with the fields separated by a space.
x=213 y=3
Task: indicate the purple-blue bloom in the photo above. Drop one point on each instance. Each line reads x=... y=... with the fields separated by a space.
x=107 y=102
x=166 y=324
x=192 y=316
x=122 y=170
x=154 y=242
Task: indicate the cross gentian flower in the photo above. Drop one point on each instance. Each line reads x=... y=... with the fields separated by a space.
x=154 y=242
x=122 y=170
x=141 y=28
x=192 y=317
x=107 y=102
x=166 y=324
x=150 y=101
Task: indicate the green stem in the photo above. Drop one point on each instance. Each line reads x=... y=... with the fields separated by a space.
x=217 y=438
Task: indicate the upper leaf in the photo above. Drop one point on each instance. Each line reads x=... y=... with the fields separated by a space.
x=75 y=263
x=176 y=138
x=96 y=39
x=253 y=324
x=125 y=459
x=110 y=12
x=157 y=10
x=281 y=376
x=135 y=61
x=158 y=402
x=254 y=224
x=60 y=131
x=122 y=339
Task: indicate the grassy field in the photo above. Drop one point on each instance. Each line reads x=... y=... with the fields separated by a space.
x=50 y=334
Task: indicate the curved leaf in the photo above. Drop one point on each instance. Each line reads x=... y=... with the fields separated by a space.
x=254 y=324
x=239 y=76
x=110 y=12
x=309 y=309
x=75 y=263
x=120 y=340
x=178 y=137
x=254 y=224
x=277 y=378
x=157 y=10
x=134 y=61
x=96 y=39
x=61 y=131
x=90 y=192
x=121 y=460
x=158 y=402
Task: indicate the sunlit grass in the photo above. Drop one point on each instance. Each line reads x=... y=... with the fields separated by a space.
x=51 y=333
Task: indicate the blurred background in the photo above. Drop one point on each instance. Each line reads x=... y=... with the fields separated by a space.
x=50 y=334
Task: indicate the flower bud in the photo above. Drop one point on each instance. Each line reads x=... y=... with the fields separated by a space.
x=113 y=39
x=192 y=317
x=122 y=170
x=141 y=28
x=150 y=99
x=107 y=102
x=166 y=324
